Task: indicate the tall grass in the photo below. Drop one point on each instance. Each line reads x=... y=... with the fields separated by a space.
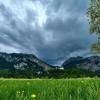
x=62 y=89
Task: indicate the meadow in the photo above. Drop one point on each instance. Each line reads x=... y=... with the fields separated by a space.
x=50 y=89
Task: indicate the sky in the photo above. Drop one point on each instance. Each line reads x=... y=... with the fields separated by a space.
x=53 y=30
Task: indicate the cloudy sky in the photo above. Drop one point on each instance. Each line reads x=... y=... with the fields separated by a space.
x=53 y=30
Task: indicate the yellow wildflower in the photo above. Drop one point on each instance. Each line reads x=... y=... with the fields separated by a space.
x=33 y=95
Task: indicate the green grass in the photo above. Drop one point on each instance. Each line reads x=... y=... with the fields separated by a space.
x=62 y=89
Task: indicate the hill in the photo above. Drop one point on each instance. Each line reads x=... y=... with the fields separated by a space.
x=19 y=65
x=24 y=64
x=91 y=63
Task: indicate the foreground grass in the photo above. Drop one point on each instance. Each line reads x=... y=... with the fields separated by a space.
x=63 y=89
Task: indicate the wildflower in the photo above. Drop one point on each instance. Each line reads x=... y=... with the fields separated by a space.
x=33 y=95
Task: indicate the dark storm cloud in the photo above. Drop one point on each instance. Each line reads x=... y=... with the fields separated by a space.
x=19 y=32
x=71 y=35
x=51 y=29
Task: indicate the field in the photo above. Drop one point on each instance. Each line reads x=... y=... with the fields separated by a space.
x=62 y=89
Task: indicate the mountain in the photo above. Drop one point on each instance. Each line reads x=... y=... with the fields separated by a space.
x=19 y=61
x=19 y=65
x=91 y=63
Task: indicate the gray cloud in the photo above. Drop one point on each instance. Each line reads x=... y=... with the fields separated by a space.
x=51 y=29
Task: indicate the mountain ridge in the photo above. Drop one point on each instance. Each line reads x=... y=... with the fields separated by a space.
x=21 y=65
x=91 y=63
x=18 y=60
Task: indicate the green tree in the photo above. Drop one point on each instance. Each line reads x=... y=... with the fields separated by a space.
x=94 y=20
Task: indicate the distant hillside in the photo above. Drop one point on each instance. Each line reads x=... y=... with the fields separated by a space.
x=23 y=63
x=91 y=63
